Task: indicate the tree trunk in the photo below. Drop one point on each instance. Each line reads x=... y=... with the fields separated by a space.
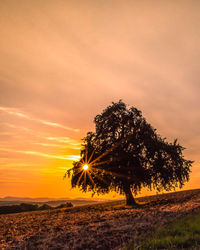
x=130 y=201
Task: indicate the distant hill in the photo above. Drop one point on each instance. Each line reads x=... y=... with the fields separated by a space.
x=9 y=200
x=39 y=199
x=27 y=207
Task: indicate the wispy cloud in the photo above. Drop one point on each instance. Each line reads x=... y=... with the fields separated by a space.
x=54 y=124
x=57 y=145
x=12 y=111
x=5 y=133
x=16 y=112
x=40 y=154
x=17 y=165
x=61 y=141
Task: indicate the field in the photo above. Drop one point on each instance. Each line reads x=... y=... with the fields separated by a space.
x=99 y=226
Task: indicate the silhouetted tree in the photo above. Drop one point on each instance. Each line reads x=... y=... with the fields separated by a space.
x=125 y=154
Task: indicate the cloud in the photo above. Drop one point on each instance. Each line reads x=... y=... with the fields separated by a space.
x=69 y=69
x=40 y=154
x=57 y=145
x=53 y=124
x=64 y=140
x=16 y=112
x=69 y=142
x=17 y=165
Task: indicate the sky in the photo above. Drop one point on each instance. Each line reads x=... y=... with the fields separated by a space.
x=63 y=62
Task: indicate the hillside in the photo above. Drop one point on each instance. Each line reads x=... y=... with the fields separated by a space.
x=100 y=226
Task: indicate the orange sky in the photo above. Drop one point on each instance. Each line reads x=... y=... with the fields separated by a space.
x=62 y=62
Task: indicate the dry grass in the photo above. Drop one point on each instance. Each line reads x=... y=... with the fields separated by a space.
x=99 y=226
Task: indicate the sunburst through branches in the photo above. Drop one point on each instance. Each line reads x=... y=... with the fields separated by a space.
x=88 y=167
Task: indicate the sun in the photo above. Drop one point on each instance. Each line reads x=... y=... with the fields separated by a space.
x=85 y=167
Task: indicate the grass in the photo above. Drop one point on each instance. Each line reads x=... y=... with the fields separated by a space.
x=181 y=234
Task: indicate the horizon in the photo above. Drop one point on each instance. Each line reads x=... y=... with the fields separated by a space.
x=101 y=198
x=62 y=63
x=54 y=198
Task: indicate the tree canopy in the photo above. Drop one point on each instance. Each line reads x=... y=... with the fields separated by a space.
x=125 y=154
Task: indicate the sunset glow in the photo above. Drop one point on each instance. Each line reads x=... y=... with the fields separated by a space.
x=63 y=62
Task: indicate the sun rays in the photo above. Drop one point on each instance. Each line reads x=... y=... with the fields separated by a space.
x=88 y=167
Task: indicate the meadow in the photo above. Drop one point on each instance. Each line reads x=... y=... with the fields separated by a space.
x=183 y=233
x=110 y=225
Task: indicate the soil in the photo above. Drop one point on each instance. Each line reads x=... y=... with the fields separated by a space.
x=99 y=226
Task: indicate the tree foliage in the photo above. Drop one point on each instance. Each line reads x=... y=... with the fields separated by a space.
x=125 y=154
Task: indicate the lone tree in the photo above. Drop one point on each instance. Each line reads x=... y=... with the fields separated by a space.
x=125 y=154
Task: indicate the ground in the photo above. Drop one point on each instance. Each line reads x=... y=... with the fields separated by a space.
x=100 y=226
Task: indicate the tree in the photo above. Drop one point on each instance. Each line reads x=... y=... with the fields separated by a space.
x=125 y=154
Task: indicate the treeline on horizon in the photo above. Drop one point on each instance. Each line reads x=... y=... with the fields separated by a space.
x=26 y=207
